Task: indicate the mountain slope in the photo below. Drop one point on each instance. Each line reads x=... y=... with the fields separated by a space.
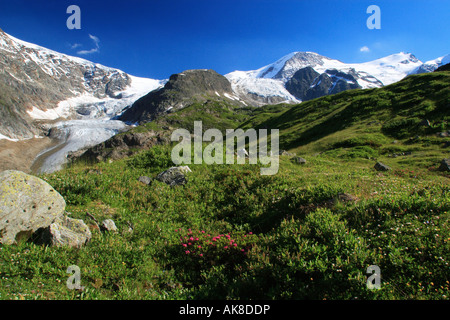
x=182 y=90
x=432 y=65
x=416 y=105
x=38 y=84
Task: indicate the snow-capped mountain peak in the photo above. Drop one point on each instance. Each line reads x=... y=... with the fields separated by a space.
x=432 y=65
x=269 y=83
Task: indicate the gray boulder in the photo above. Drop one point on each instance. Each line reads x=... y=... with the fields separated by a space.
x=381 y=167
x=445 y=165
x=173 y=176
x=64 y=231
x=108 y=225
x=145 y=180
x=27 y=204
x=299 y=160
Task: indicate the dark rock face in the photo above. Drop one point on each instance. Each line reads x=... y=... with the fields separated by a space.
x=343 y=81
x=319 y=88
x=445 y=165
x=301 y=82
x=381 y=167
x=181 y=90
x=307 y=84
x=445 y=67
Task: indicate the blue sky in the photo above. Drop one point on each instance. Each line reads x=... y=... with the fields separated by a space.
x=156 y=38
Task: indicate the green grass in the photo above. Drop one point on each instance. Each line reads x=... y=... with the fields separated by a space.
x=285 y=236
x=220 y=115
x=301 y=246
x=392 y=112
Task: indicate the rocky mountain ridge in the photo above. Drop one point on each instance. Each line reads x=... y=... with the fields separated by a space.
x=182 y=89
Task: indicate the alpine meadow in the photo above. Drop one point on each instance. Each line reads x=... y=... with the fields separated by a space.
x=187 y=151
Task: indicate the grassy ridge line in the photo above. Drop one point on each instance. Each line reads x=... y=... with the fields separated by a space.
x=394 y=111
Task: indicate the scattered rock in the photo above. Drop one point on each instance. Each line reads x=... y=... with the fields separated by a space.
x=27 y=204
x=342 y=197
x=395 y=155
x=145 y=180
x=381 y=167
x=64 y=231
x=286 y=153
x=346 y=197
x=173 y=176
x=95 y=171
x=108 y=225
x=299 y=160
x=445 y=165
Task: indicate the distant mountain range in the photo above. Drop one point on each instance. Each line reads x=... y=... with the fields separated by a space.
x=39 y=86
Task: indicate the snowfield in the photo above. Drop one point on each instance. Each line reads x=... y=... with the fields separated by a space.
x=270 y=80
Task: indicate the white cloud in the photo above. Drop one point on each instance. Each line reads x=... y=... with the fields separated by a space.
x=93 y=50
x=364 y=49
x=75 y=45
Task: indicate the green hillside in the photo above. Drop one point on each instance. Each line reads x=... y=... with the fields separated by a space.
x=398 y=111
x=308 y=232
